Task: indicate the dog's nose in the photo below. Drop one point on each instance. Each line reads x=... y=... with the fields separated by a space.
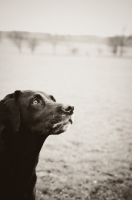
x=68 y=109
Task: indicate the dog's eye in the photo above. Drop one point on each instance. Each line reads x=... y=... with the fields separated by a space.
x=52 y=98
x=35 y=102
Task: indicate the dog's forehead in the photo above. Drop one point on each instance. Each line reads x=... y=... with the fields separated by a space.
x=30 y=94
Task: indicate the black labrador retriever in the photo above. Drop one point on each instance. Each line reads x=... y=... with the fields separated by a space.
x=27 y=118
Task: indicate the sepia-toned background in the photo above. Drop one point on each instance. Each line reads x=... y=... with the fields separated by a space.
x=80 y=52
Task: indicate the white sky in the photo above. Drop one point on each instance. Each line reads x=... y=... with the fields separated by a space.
x=94 y=17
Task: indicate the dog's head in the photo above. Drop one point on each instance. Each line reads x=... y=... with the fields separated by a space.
x=35 y=111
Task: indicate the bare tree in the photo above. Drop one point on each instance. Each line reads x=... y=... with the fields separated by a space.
x=114 y=43
x=54 y=41
x=118 y=41
x=129 y=40
x=122 y=42
x=100 y=51
x=0 y=35
x=33 y=42
x=17 y=38
x=74 y=51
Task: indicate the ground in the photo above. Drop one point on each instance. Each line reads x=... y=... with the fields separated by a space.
x=92 y=160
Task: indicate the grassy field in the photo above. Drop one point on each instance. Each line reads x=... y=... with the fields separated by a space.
x=93 y=159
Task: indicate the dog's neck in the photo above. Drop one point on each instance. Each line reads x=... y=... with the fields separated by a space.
x=24 y=143
x=22 y=154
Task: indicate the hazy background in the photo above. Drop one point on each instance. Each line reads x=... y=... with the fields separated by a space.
x=80 y=52
x=96 y=17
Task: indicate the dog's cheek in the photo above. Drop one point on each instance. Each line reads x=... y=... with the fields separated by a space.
x=40 y=124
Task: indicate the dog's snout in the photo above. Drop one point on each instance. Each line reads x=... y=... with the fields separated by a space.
x=68 y=109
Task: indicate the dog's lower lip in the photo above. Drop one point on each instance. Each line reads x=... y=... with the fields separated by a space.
x=70 y=120
x=60 y=123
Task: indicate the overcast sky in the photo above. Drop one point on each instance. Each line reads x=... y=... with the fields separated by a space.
x=94 y=17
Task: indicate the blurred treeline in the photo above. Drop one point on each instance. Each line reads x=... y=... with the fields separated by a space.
x=54 y=44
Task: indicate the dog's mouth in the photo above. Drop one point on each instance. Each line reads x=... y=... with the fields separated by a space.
x=63 y=125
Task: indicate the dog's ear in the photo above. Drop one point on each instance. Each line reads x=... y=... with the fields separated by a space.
x=9 y=111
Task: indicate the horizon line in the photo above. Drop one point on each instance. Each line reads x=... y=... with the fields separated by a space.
x=67 y=34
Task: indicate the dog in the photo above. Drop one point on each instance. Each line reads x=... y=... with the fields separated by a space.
x=27 y=118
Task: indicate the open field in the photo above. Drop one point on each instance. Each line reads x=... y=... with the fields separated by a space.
x=93 y=159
